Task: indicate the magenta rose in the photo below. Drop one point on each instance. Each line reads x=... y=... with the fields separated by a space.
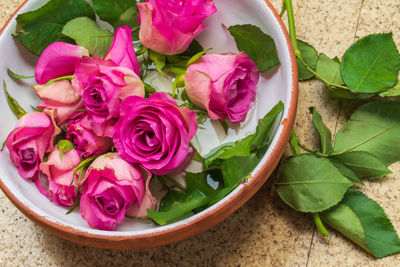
x=224 y=85
x=111 y=186
x=168 y=27
x=81 y=133
x=58 y=176
x=59 y=98
x=103 y=85
x=155 y=132
x=29 y=141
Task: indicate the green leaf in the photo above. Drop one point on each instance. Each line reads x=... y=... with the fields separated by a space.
x=149 y=89
x=64 y=145
x=310 y=57
x=194 y=48
x=245 y=146
x=347 y=94
x=395 y=91
x=87 y=33
x=198 y=181
x=311 y=184
x=13 y=104
x=130 y=18
x=196 y=57
x=111 y=11
x=323 y=131
x=329 y=69
x=364 y=222
x=346 y=171
x=38 y=29
x=364 y=164
x=158 y=60
x=371 y=64
x=17 y=76
x=259 y=46
x=374 y=128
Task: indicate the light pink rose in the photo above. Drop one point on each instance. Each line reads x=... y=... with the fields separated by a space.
x=155 y=132
x=103 y=85
x=29 y=141
x=60 y=98
x=168 y=27
x=111 y=186
x=122 y=51
x=58 y=60
x=85 y=139
x=224 y=85
x=57 y=174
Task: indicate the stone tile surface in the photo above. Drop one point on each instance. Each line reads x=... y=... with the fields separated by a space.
x=264 y=232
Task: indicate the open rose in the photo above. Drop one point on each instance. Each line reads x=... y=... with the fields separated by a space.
x=224 y=85
x=111 y=186
x=168 y=27
x=155 y=132
x=29 y=141
x=61 y=98
x=103 y=85
x=58 y=175
x=80 y=132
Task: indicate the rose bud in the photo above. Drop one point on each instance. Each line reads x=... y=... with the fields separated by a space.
x=29 y=141
x=122 y=51
x=61 y=98
x=155 y=132
x=168 y=27
x=224 y=85
x=58 y=60
x=111 y=186
x=58 y=174
x=103 y=85
x=81 y=133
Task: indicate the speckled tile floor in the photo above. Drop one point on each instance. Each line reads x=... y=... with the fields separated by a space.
x=275 y=235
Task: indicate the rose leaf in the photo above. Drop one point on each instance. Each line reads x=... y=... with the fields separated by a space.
x=87 y=33
x=323 y=131
x=310 y=57
x=371 y=64
x=329 y=69
x=116 y=12
x=364 y=222
x=38 y=29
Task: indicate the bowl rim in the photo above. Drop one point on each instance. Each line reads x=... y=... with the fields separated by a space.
x=197 y=225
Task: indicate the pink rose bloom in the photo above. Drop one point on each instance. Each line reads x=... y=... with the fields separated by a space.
x=103 y=85
x=58 y=176
x=122 y=51
x=29 y=141
x=168 y=27
x=81 y=133
x=224 y=85
x=111 y=186
x=60 y=98
x=58 y=60
x=155 y=132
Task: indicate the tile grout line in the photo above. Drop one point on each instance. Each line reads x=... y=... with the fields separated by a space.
x=335 y=130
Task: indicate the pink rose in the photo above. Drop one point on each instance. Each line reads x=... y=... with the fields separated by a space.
x=58 y=60
x=122 y=51
x=57 y=175
x=80 y=132
x=29 y=141
x=60 y=98
x=168 y=27
x=224 y=85
x=111 y=186
x=155 y=132
x=103 y=85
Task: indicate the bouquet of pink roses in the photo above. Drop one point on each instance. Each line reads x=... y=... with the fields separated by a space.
x=106 y=139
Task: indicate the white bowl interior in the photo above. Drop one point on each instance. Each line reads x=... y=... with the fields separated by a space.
x=273 y=87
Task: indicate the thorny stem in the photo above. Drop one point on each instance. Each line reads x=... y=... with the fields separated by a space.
x=292 y=27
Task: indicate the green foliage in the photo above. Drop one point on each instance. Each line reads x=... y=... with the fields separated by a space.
x=310 y=57
x=259 y=46
x=371 y=64
x=308 y=183
x=116 y=12
x=38 y=29
x=87 y=33
x=13 y=104
x=323 y=131
x=364 y=222
x=329 y=69
x=17 y=76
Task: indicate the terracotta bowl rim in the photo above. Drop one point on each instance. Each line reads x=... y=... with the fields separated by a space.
x=200 y=223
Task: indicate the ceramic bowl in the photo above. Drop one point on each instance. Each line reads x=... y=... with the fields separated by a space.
x=278 y=85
